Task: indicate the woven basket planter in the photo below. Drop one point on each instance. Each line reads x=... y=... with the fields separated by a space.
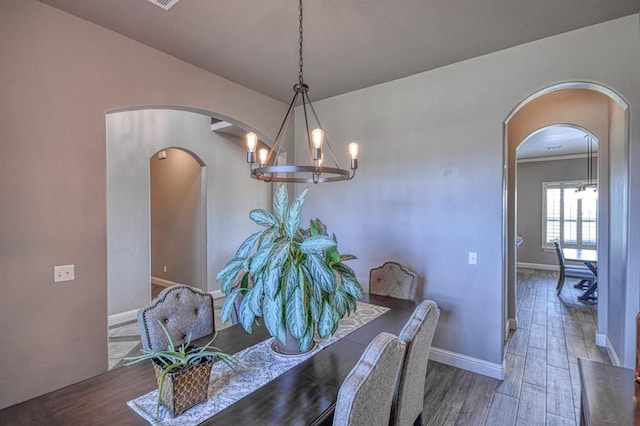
x=183 y=389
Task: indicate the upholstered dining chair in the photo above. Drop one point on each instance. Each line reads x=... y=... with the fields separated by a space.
x=408 y=399
x=183 y=310
x=364 y=399
x=580 y=272
x=393 y=279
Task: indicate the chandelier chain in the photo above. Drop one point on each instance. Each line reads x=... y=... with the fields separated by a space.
x=300 y=79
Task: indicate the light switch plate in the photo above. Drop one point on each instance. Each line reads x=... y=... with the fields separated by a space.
x=64 y=273
x=473 y=258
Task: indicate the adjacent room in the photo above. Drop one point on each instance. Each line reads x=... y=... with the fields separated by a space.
x=381 y=213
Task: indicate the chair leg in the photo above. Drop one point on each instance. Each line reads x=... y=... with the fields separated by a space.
x=582 y=284
x=560 y=283
x=418 y=421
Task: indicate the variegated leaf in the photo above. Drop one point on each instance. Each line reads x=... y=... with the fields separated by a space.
x=247 y=245
x=271 y=280
x=320 y=273
x=345 y=257
x=228 y=306
x=296 y=314
x=291 y=278
x=305 y=342
x=259 y=259
x=280 y=201
x=231 y=268
x=254 y=298
x=352 y=287
x=274 y=318
x=292 y=218
x=246 y=316
x=316 y=244
x=263 y=218
x=325 y=324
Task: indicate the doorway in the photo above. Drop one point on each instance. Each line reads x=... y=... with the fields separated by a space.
x=178 y=222
x=603 y=114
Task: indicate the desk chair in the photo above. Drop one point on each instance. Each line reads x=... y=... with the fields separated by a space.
x=183 y=310
x=394 y=280
x=408 y=400
x=580 y=272
x=364 y=398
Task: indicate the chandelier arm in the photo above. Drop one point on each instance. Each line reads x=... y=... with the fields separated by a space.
x=326 y=138
x=306 y=125
x=276 y=142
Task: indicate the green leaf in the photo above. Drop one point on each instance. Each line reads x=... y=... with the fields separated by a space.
x=260 y=259
x=313 y=227
x=296 y=314
x=228 y=274
x=228 y=305
x=245 y=315
x=263 y=218
x=352 y=287
x=292 y=219
x=279 y=254
x=340 y=303
x=253 y=298
x=333 y=255
x=274 y=318
x=280 y=201
x=345 y=257
x=247 y=245
x=320 y=273
x=316 y=244
x=290 y=280
x=268 y=236
x=271 y=280
x=325 y=323
x=305 y=342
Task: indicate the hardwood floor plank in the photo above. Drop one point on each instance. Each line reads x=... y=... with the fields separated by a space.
x=453 y=399
x=439 y=377
x=476 y=406
x=524 y=317
x=557 y=353
x=503 y=410
x=599 y=354
x=535 y=368
x=519 y=342
x=575 y=348
x=559 y=394
x=575 y=384
x=553 y=420
x=513 y=380
x=532 y=408
x=555 y=326
x=538 y=336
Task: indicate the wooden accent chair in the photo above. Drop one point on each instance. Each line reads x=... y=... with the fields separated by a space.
x=408 y=400
x=183 y=310
x=580 y=272
x=394 y=280
x=364 y=399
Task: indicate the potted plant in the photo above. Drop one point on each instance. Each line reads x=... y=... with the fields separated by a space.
x=183 y=372
x=293 y=278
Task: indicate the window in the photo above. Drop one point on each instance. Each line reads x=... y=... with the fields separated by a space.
x=567 y=218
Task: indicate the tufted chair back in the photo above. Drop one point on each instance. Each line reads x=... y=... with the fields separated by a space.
x=364 y=398
x=393 y=279
x=417 y=334
x=183 y=311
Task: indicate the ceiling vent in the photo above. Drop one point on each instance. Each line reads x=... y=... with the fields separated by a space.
x=165 y=4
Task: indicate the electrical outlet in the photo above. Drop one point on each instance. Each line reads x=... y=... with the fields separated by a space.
x=473 y=258
x=164 y=268
x=64 y=273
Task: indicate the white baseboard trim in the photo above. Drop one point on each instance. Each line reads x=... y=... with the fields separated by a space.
x=601 y=340
x=540 y=266
x=121 y=318
x=163 y=282
x=510 y=324
x=613 y=355
x=475 y=365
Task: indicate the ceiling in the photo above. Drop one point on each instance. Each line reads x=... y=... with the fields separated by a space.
x=556 y=141
x=348 y=44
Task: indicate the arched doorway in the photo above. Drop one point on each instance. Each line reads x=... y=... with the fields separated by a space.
x=178 y=228
x=604 y=114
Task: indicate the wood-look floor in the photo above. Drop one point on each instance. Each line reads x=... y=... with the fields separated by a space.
x=542 y=386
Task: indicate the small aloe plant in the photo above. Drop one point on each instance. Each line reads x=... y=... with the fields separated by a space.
x=174 y=359
x=293 y=278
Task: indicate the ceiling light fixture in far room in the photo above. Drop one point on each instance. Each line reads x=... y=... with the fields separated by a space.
x=165 y=4
x=589 y=189
x=270 y=170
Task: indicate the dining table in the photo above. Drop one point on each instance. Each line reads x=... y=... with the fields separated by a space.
x=589 y=257
x=304 y=395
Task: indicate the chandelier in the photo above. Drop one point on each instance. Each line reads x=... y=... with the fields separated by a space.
x=589 y=189
x=267 y=160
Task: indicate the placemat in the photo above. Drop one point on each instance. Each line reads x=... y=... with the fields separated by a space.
x=260 y=366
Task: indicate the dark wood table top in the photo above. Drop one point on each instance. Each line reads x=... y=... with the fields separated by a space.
x=305 y=394
x=610 y=395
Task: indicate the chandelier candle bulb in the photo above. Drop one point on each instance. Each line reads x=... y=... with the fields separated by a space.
x=263 y=154
x=354 y=150
x=252 y=142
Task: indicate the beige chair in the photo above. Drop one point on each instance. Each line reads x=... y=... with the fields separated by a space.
x=408 y=399
x=364 y=399
x=183 y=310
x=394 y=280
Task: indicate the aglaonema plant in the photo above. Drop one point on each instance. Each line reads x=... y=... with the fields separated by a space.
x=293 y=278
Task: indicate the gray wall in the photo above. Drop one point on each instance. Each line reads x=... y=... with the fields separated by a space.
x=132 y=138
x=531 y=176
x=177 y=218
x=430 y=186
x=61 y=75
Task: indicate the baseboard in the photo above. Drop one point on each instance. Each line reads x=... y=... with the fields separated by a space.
x=475 y=365
x=601 y=340
x=613 y=355
x=121 y=318
x=540 y=266
x=163 y=283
